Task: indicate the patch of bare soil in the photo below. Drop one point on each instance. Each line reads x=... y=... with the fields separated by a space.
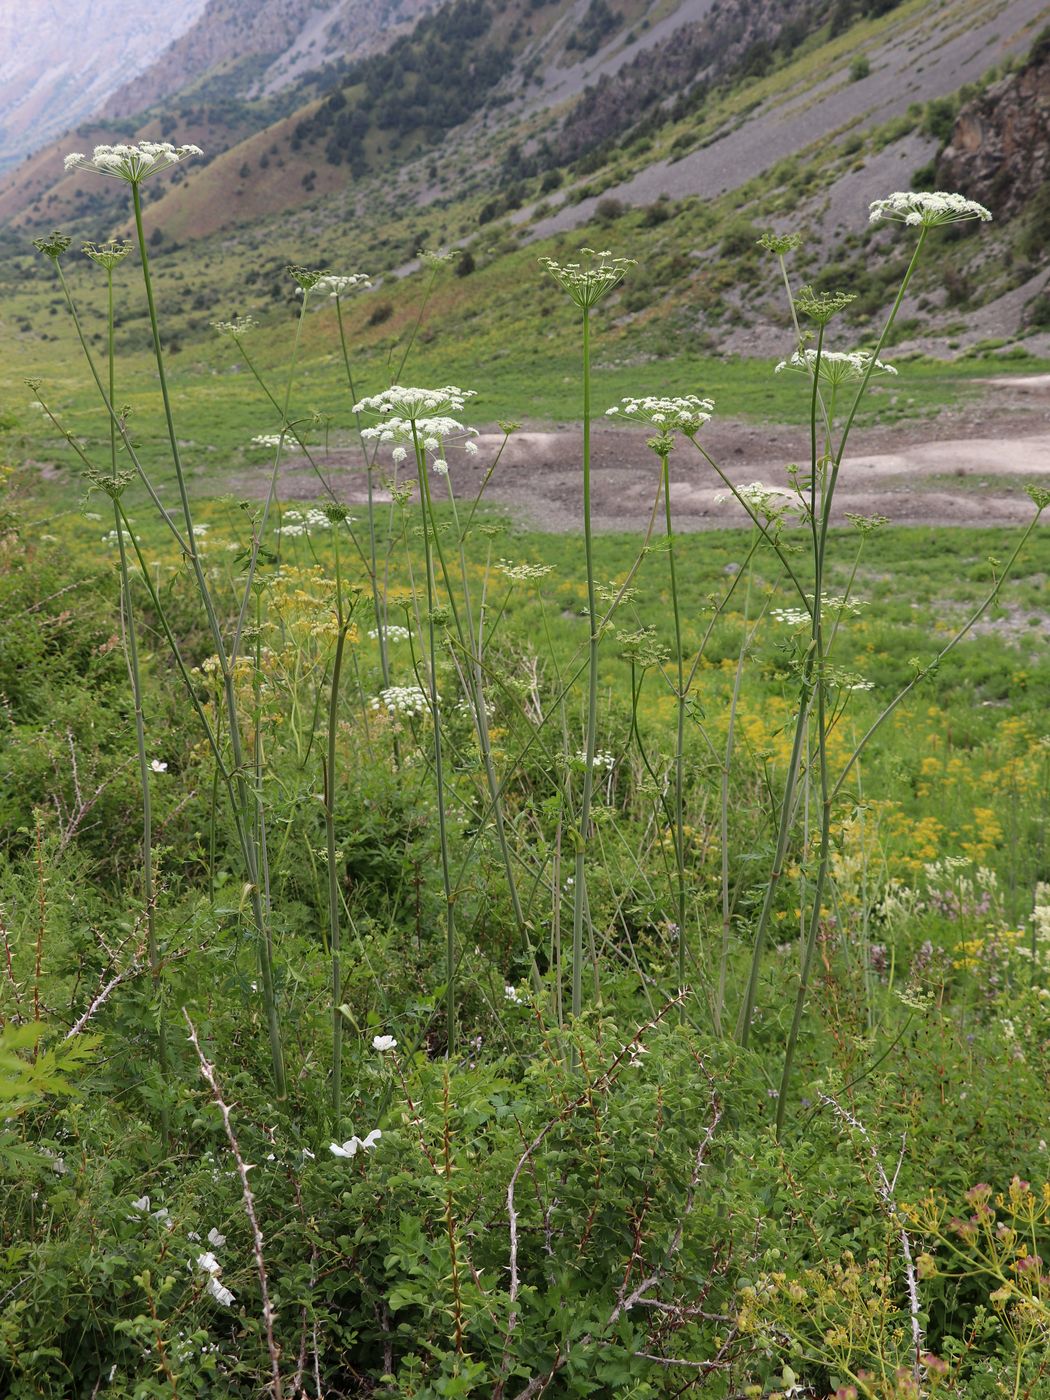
x=965 y=467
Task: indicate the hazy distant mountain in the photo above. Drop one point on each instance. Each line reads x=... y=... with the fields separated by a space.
x=61 y=59
x=258 y=46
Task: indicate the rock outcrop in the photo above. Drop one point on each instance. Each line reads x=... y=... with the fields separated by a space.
x=999 y=151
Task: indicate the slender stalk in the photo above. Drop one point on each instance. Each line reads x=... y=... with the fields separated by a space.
x=262 y=922
x=679 y=753
x=373 y=565
x=342 y=623
x=131 y=652
x=439 y=771
x=474 y=639
x=579 y=904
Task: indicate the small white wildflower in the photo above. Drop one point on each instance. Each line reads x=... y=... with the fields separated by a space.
x=471 y=447
x=220 y=1293
x=400 y=454
x=441 y=466
x=383 y=1042
x=131 y=162
x=158 y=766
x=267 y=440
x=512 y=994
x=927 y=210
x=393 y=633
x=350 y=1147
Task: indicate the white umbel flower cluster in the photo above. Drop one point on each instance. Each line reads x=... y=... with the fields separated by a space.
x=764 y=500
x=294 y=523
x=338 y=286
x=429 y=432
x=409 y=700
x=927 y=210
x=603 y=759
x=239 y=326
x=521 y=573
x=394 y=633
x=685 y=413
x=790 y=617
x=131 y=162
x=401 y=402
x=835 y=366
x=586 y=285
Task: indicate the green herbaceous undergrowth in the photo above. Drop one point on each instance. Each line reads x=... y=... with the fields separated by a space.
x=447 y=960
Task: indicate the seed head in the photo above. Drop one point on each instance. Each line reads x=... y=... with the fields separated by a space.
x=54 y=245
x=306 y=278
x=780 y=243
x=821 y=306
x=107 y=255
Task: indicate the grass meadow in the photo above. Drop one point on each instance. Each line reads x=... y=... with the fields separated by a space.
x=444 y=959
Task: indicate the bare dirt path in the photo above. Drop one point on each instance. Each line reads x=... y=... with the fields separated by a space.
x=964 y=467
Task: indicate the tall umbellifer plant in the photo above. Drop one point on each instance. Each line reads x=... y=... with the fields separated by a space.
x=134 y=164
x=586 y=286
x=418 y=421
x=670 y=416
x=108 y=257
x=837 y=382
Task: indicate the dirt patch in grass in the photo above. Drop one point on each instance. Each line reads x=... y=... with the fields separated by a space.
x=964 y=467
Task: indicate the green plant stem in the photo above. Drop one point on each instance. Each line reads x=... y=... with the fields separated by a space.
x=439 y=772
x=373 y=562
x=134 y=672
x=262 y=923
x=787 y=812
x=473 y=640
x=343 y=623
x=579 y=904
x=679 y=752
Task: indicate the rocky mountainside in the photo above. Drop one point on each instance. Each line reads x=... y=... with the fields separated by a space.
x=48 y=82
x=257 y=46
x=999 y=149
